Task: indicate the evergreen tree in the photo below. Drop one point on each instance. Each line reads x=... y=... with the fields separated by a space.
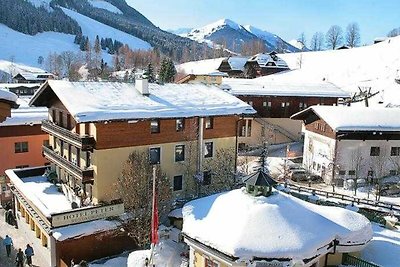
x=171 y=71
x=163 y=70
x=150 y=73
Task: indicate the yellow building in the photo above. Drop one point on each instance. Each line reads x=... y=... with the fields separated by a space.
x=210 y=78
x=94 y=126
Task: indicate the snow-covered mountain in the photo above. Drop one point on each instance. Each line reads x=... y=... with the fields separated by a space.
x=232 y=35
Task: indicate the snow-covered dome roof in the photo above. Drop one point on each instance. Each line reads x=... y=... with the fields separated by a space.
x=279 y=226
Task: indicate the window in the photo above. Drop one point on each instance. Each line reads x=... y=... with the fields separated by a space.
x=375 y=150
x=395 y=151
x=155 y=126
x=209 y=123
x=206 y=178
x=21 y=166
x=210 y=263
x=78 y=157
x=46 y=143
x=155 y=155
x=179 y=153
x=208 y=149
x=370 y=173
x=267 y=104
x=21 y=147
x=352 y=172
x=342 y=172
x=393 y=172
x=178 y=182
x=180 y=124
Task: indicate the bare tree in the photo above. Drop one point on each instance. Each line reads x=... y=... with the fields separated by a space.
x=223 y=172
x=353 y=35
x=379 y=167
x=134 y=187
x=302 y=40
x=393 y=33
x=317 y=41
x=357 y=165
x=334 y=37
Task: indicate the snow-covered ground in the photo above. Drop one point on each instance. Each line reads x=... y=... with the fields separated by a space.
x=374 y=66
x=105 y=5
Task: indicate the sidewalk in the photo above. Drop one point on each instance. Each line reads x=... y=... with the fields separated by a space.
x=20 y=240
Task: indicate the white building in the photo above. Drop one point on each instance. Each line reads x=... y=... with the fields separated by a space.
x=343 y=142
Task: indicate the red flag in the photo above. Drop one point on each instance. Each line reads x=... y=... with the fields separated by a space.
x=154 y=220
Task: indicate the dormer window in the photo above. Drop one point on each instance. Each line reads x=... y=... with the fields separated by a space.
x=209 y=123
x=155 y=126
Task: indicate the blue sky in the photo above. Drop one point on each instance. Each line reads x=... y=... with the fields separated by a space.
x=287 y=18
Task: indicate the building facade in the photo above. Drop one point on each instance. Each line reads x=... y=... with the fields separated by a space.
x=342 y=143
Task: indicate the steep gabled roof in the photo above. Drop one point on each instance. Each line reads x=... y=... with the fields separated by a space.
x=259 y=178
x=344 y=118
x=108 y=101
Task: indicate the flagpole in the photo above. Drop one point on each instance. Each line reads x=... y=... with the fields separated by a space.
x=153 y=219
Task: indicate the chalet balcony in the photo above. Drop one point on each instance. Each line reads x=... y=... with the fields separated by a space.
x=86 y=174
x=85 y=143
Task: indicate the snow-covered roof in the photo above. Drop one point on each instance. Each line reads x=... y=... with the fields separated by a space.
x=26 y=115
x=272 y=85
x=103 y=101
x=237 y=63
x=38 y=76
x=200 y=67
x=42 y=193
x=8 y=96
x=263 y=60
x=356 y=118
x=279 y=226
x=16 y=85
x=84 y=229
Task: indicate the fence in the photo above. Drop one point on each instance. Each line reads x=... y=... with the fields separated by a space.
x=355 y=200
x=356 y=262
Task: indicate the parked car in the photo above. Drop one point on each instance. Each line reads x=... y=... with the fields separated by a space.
x=298 y=174
x=390 y=189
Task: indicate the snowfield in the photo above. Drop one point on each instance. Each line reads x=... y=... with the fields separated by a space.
x=105 y=5
x=375 y=66
x=91 y=28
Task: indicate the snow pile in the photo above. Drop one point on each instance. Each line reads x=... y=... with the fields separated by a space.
x=353 y=118
x=279 y=85
x=84 y=229
x=279 y=226
x=101 y=101
x=105 y=5
x=384 y=248
x=26 y=115
x=41 y=192
x=6 y=95
x=375 y=66
x=114 y=262
x=91 y=28
x=167 y=253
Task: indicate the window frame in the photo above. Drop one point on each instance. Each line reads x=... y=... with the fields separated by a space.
x=209 y=123
x=375 y=151
x=212 y=149
x=180 y=125
x=20 y=148
x=155 y=129
x=159 y=155
x=180 y=187
x=395 y=151
x=177 y=159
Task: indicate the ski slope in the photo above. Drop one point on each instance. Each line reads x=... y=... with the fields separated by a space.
x=91 y=28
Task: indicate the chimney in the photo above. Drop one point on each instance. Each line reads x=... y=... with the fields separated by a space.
x=142 y=85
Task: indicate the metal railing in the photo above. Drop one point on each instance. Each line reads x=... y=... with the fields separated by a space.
x=83 y=142
x=356 y=262
x=355 y=200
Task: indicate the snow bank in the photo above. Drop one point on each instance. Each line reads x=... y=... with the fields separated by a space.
x=279 y=226
x=101 y=101
x=166 y=254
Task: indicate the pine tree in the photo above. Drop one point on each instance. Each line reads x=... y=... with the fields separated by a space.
x=171 y=71
x=163 y=71
x=150 y=73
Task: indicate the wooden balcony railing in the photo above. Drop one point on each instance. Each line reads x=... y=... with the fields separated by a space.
x=85 y=142
x=85 y=174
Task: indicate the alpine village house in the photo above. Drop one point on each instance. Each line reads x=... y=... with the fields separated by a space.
x=93 y=127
